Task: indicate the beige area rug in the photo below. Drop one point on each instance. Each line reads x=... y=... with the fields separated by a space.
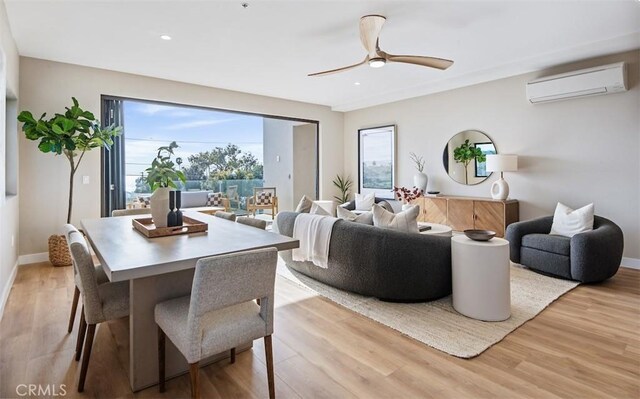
x=436 y=323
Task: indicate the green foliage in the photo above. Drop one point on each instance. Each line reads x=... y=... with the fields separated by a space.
x=467 y=152
x=73 y=134
x=344 y=185
x=418 y=161
x=228 y=163
x=162 y=172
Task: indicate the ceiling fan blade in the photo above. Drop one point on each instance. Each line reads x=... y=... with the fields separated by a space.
x=431 y=62
x=370 y=27
x=339 y=69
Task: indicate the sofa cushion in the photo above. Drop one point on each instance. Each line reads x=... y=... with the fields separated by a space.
x=546 y=262
x=365 y=218
x=569 y=222
x=549 y=243
x=193 y=199
x=364 y=202
x=406 y=221
x=304 y=206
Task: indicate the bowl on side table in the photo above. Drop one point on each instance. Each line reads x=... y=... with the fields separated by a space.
x=480 y=235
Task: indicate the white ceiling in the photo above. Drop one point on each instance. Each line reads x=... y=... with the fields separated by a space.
x=271 y=46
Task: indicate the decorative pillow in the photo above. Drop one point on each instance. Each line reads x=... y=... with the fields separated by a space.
x=304 y=206
x=263 y=198
x=405 y=221
x=364 y=218
x=364 y=202
x=318 y=210
x=569 y=222
x=145 y=202
x=215 y=199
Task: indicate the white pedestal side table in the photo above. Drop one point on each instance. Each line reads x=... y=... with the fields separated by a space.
x=480 y=277
x=436 y=229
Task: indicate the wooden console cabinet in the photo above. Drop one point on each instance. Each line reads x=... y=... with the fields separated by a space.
x=462 y=213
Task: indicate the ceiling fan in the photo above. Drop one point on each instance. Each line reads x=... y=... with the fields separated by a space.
x=370 y=27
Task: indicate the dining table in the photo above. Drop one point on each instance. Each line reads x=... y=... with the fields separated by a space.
x=162 y=268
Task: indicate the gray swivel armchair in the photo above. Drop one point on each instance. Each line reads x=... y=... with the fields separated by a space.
x=588 y=257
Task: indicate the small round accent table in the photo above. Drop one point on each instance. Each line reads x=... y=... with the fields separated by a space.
x=436 y=229
x=480 y=277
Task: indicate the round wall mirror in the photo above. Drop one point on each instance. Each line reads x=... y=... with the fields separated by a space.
x=464 y=157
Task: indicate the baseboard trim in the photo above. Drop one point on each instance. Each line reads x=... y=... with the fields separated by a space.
x=33 y=258
x=6 y=290
x=631 y=263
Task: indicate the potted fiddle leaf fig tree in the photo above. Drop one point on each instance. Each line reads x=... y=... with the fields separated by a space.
x=161 y=177
x=73 y=134
x=465 y=153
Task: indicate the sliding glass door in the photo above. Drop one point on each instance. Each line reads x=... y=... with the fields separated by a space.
x=219 y=151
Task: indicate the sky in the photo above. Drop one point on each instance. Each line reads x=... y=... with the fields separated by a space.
x=149 y=126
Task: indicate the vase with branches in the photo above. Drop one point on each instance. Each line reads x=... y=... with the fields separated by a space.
x=343 y=184
x=465 y=153
x=420 y=179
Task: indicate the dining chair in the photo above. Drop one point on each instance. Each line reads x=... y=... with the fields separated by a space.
x=101 y=278
x=258 y=223
x=226 y=215
x=221 y=312
x=129 y=212
x=101 y=302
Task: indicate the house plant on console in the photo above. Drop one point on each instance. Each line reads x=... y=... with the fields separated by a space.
x=161 y=176
x=73 y=134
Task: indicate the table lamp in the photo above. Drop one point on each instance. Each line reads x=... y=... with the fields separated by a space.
x=501 y=163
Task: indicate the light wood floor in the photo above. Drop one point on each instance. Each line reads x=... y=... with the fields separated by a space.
x=587 y=344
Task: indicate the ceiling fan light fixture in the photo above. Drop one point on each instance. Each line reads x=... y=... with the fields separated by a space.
x=377 y=62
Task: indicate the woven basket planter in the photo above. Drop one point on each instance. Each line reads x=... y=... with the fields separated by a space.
x=59 y=251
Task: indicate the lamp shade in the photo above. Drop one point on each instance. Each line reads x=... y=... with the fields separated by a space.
x=502 y=163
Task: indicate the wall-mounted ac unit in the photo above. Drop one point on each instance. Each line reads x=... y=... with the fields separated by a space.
x=606 y=79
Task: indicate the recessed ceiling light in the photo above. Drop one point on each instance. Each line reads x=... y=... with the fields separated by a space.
x=165 y=37
x=357 y=83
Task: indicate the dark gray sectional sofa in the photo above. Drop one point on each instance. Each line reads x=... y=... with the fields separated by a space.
x=389 y=265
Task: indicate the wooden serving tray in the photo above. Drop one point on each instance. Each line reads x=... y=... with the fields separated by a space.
x=146 y=227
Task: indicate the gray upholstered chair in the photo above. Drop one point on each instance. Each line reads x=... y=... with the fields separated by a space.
x=101 y=278
x=258 y=223
x=221 y=312
x=128 y=212
x=587 y=257
x=226 y=215
x=107 y=301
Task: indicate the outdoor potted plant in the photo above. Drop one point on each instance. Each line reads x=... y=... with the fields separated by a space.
x=420 y=179
x=465 y=153
x=161 y=177
x=73 y=134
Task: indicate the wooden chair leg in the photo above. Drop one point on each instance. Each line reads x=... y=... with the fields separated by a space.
x=91 y=330
x=82 y=329
x=194 y=370
x=161 y=364
x=268 y=351
x=74 y=308
x=232 y=357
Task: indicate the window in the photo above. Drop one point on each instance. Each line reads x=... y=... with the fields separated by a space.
x=218 y=151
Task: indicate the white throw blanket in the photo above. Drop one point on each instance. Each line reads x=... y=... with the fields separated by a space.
x=314 y=234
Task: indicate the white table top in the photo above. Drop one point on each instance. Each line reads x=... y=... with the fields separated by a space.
x=435 y=228
x=126 y=254
x=494 y=242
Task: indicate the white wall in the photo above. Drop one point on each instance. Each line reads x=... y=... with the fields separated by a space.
x=47 y=86
x=9 y=70
x=576 y=151
x=278 y=142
